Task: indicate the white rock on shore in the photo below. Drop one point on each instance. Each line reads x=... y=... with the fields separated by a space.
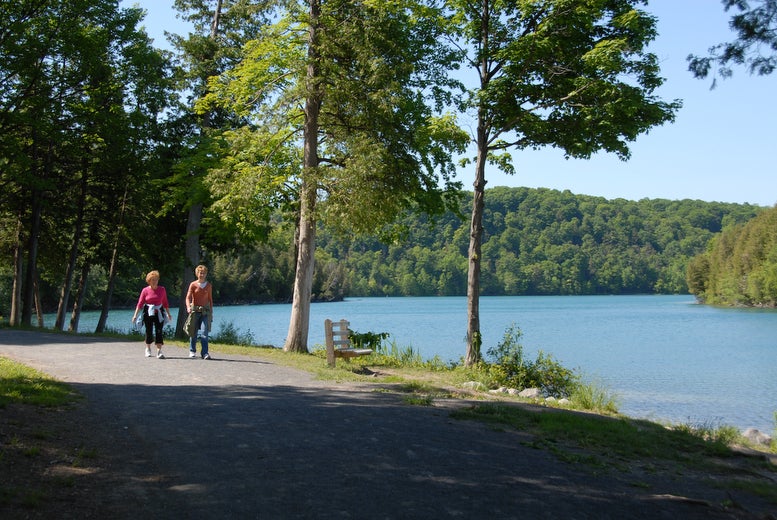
x=757 y=437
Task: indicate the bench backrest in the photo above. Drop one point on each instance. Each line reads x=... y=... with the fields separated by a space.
x=337 y=338
x=337 y=334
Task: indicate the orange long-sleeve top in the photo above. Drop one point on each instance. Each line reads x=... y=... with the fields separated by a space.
x=199 y=295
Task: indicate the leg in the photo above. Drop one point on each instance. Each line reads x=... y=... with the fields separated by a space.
x=197 y=318
x=158 y=337
x=148 y=323
x=193 y=345
x=204 y=338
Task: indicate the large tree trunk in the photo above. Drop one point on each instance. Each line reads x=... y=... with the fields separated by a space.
x=474 y=339
x=299 y=324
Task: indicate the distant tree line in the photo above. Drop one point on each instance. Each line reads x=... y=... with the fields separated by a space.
x=541 y=242
x=740 y=265
x=537 y=242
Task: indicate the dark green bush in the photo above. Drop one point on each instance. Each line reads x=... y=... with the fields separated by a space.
x=229 y=334
x=373 y=340
x=510 y=368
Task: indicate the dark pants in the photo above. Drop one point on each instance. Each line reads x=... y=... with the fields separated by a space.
x=153 y=328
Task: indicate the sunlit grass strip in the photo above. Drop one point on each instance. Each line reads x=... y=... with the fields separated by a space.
x=628 y=438
x=25 y=385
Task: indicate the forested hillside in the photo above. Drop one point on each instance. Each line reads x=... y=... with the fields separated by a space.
x=537 y=241
x=740 y=266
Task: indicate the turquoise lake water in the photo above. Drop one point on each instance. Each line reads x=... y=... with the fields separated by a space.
x=665 y=357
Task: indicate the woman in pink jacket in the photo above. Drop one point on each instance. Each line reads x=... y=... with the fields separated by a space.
x=153 y=304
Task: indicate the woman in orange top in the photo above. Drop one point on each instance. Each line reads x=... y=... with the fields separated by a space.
x=199 y=303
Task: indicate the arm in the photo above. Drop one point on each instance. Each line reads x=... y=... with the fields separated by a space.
x=141 y=301
x=164 y=301
x=190 y=297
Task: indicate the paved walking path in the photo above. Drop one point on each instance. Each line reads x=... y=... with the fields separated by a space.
x=240 y=437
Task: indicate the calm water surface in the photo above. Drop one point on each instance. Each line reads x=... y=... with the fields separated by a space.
x=665 y=357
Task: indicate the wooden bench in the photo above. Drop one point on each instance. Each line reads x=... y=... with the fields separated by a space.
x=338 y=342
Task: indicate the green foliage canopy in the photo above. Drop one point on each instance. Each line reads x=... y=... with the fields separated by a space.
x=740 y=265
x=381 y=148
x=755 y=45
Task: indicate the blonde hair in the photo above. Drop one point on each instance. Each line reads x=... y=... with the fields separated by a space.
x=200 y=268
x=151 y=275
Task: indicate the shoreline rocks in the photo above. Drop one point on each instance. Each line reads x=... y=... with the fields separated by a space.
x=752 y=435
x=757 y=437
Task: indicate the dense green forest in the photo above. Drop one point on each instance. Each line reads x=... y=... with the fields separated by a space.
x=740 y=265
x=537 y=241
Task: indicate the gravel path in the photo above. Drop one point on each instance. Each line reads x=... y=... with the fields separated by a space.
x=239 y=437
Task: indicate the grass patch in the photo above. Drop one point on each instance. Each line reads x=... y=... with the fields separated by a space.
x=594 y=396
x=609 y=440
x=24 y=385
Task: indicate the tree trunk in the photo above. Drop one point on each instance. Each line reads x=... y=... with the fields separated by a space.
x=16 y=294
x=79 y=299
x=194 y=219
x=190 y=262
x=474 y=339
x=106 y=306
x=28 y=288
x=36 y=298
x=299 y=324
x=64 y=296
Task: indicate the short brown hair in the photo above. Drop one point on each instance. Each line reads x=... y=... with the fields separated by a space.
x=200 y=268
x=152 y=274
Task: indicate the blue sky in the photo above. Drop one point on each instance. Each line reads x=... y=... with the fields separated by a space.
x=720 y=147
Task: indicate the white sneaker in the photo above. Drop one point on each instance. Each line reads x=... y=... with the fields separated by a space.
x=148 y=352
x=192 y=354
x=206 y=356
x=159 y=355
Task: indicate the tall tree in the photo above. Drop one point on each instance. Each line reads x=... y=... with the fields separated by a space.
x=755 y=46
x=76 y=75
x=572 y=74
x=221 y=27
x=337 y=95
